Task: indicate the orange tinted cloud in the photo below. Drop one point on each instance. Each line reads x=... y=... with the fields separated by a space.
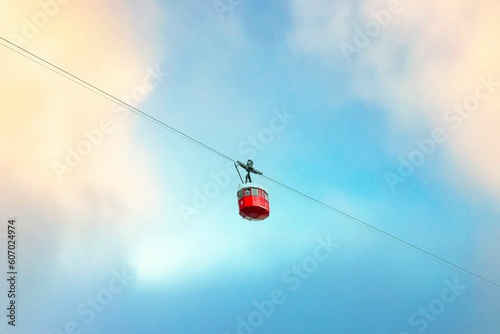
x=45 y=116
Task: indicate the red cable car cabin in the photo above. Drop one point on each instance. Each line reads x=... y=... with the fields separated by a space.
x=253 y=201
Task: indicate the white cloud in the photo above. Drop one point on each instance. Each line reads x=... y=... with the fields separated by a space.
x=428 y=58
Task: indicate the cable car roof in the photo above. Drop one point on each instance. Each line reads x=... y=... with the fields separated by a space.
x=252 y=185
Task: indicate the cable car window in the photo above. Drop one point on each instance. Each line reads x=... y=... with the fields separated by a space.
x=265 y=196
x=240 y=193
x=255 y=192
x=247 y=192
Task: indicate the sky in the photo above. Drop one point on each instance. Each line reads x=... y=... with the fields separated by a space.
x=385 y=110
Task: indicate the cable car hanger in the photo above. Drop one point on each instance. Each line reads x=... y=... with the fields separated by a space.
x=249 y=168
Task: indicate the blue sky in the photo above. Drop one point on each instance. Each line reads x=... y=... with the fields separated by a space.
x=142 y=235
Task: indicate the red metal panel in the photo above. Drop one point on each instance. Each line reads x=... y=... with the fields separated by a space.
x=254 y=207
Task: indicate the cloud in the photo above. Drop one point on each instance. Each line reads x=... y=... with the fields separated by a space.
x=428 y=58
x=45 y=117
x=316 y=31
x=111 y=205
